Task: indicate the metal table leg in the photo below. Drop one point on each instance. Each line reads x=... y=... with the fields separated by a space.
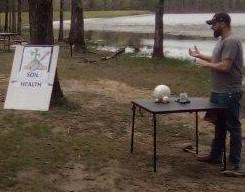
x=132 y=131
x=197 y=133
x=154 y=141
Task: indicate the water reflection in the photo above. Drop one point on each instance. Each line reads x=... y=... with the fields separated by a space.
x=142 y=43
x=119 y=39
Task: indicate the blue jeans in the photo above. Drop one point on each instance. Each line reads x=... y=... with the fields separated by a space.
x=227 y=120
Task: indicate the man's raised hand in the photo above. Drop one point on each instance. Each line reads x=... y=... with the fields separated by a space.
x=194 y=52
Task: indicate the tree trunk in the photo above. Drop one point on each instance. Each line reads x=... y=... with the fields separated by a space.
x=158 y=38
x=19 y=18
x=76 y=35
x=56 y=92
x=234 y=4
x=41 y=32
x=91 y=4
x=41 y=22
x=61 y=36
x=13 y=13
x=166 y=6
x=182 y=5
x=6 y=25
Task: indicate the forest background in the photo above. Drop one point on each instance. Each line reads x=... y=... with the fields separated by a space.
x=171 y=6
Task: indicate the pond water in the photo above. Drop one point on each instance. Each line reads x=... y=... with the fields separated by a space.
x=181 y=32
x=190 y=24
x=145 y=23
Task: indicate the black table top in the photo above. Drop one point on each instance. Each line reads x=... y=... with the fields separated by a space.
x=196 y=104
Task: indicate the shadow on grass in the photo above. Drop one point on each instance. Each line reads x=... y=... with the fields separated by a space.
x=64 y=104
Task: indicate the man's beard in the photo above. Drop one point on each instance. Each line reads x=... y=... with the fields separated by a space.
x=217 y=33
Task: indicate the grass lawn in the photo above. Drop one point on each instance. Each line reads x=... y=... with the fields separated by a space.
x=82 y=143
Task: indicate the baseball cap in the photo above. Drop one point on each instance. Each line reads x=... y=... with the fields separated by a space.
x=220 y=17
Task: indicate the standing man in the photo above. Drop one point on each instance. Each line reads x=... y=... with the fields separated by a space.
x=226 y=65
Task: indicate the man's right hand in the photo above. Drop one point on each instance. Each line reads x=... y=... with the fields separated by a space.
x=194 y=52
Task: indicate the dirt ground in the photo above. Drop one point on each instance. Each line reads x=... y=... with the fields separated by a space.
x=87 y=148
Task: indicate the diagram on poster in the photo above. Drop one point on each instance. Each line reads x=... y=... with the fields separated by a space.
x=35 y=67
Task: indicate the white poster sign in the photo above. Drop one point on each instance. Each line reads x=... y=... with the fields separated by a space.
x=32 y=77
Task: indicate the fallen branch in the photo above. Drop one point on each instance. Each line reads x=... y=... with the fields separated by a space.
x=119 y=52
